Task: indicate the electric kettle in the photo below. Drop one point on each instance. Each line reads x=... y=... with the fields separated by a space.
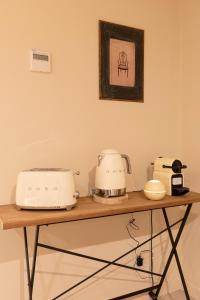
x=110 y=178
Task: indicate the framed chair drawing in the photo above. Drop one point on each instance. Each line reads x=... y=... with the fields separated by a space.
x=121 y=50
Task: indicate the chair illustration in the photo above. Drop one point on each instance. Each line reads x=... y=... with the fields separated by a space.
x=122 y=63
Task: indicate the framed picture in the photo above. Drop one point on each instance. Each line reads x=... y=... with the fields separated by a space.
x=121 y=51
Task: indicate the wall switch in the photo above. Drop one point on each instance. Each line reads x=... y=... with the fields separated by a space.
x=40 y=61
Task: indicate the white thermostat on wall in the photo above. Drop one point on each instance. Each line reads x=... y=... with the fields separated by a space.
x=40 y=61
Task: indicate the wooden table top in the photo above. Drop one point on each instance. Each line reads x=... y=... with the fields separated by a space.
x=86 y=208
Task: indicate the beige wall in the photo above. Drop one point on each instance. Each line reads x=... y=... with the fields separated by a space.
x=190 y=95
x=57 y=120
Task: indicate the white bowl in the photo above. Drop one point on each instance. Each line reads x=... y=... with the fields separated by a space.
x=154 y=190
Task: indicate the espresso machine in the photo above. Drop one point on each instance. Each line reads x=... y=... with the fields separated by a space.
x=169 y=172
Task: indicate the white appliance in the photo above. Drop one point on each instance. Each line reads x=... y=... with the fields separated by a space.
x=46 y=189
x=169 y=172
x=110 y=180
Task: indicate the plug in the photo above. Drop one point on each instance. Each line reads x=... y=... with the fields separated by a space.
x=139 y=261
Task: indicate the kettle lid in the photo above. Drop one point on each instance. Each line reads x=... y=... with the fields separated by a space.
x=109 y=151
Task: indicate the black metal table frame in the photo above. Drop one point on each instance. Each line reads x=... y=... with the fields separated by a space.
x=153 y=290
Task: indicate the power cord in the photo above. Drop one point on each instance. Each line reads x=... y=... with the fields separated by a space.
x=131 y=226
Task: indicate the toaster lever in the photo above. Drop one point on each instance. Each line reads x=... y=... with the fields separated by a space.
x=77 y=195
x=76 y=173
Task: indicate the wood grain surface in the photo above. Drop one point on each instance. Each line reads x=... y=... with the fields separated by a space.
x=87 y=208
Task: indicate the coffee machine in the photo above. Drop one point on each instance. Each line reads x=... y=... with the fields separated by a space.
x=169 y=172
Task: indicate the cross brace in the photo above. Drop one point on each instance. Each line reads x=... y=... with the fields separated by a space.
x=153 y=290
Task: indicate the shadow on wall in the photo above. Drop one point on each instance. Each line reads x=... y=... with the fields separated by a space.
x=91 y=182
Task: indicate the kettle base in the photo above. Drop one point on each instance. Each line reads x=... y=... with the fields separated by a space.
x=110 y=200
x=110 y=193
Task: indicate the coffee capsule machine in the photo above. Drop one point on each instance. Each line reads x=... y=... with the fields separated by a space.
x=169 y=172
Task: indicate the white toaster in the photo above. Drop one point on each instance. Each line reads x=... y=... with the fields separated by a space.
x=46 y=189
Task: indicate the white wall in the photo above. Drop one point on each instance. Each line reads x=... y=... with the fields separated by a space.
x=57 y=120
x=190 y=95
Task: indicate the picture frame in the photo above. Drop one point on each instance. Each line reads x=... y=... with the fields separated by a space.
x=121 y=62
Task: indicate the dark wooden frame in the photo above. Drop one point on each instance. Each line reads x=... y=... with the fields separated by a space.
x=115 y=92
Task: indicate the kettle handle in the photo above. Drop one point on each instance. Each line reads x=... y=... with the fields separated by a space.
x=128 y=163
x=100 y=157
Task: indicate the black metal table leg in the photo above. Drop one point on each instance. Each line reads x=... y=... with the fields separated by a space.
x=31 y=273
x=153 y=295
x=176 y=255
x=27 y=263
x=173 y=251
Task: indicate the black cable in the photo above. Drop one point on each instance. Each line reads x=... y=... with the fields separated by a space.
x=134 y=226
